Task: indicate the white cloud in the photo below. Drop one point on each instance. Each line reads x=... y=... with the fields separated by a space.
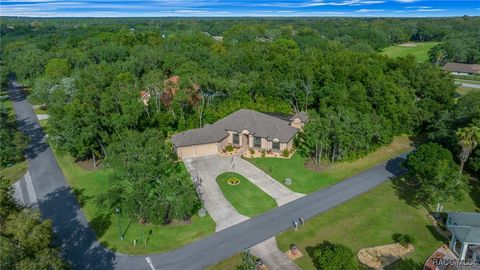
x=364 y=10
x=418 y=7
x=317 y=3
x=406 y=1
x=430 y=10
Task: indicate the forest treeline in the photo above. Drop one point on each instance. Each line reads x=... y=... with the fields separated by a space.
x=90 y=74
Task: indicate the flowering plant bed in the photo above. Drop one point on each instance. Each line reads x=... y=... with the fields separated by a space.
x=233 y=181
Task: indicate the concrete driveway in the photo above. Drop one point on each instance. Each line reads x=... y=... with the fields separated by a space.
x=204 y=170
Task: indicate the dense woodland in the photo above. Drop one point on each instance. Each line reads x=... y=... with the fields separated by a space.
x=89 y=74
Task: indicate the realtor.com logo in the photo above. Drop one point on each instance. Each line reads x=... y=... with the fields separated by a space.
x=453 y=262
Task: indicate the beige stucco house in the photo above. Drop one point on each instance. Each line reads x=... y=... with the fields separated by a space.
x=244 y=128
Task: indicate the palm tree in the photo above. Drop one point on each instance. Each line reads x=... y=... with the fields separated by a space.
x=468 y=138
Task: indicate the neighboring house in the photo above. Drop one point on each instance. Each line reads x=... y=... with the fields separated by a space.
x=465 y=229
x=462 y=69
x=145 y=97
x=244 y=128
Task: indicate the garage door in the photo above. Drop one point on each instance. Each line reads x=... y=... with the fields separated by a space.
x=199 y=150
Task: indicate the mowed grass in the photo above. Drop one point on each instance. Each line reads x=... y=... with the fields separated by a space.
x=87 y=185
x=247 y=198
x=370 y=220
x=305 y=180
x=465 y=90
x=418 y=50
x=14 y=172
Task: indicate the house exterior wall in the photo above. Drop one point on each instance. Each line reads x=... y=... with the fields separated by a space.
x=224 y=142
x=296 y=123
x=198 y=150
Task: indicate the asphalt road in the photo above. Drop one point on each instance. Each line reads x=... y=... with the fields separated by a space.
x=57 y=202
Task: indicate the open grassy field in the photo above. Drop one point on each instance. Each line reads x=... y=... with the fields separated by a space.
x=247 y=198
x=419 y=50
x=305 y=180
x=89 y=184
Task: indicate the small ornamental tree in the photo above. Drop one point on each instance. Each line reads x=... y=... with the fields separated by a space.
x=434 y=176
x=330 y=256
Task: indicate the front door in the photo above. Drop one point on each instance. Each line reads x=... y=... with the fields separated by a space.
x=245 y=141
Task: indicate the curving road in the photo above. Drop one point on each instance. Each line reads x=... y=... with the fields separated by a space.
x=57 y=202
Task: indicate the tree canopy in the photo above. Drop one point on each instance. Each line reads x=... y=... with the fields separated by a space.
x=25 y=240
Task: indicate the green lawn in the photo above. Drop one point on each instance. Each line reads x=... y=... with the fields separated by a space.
x=465 y=90
x=14 y=172
x=305 y=180
x=247 y=198
x=467 y=81
x=419 y=50
x=228 y=264
x=89 y=184
x=370 y=220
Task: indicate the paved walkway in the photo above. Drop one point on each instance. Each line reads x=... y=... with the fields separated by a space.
x=205 y=170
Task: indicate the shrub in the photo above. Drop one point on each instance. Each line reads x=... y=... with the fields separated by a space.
x=229 y=148
x=252 y=152
x=263 y=153
x=404 y=239
x=332 y=257
x=285 y=153
x=269 y=151
x=249 y=262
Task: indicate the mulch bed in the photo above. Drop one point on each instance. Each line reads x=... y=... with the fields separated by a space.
x=380 y=257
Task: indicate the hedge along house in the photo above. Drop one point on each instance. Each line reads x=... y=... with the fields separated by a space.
x=244 y=128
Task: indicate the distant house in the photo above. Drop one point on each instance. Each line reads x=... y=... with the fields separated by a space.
x=465 y=229
x=244 y=128
x=462 y=69
x=144 y=97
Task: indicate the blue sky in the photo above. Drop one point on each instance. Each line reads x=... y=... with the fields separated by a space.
x=226 y=8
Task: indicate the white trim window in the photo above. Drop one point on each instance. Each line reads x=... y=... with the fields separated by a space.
x=236 y=138
x=276 y=146
x=257 y=142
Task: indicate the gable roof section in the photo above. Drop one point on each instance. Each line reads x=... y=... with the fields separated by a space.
x=464 y=68
x=303 y=116
x=257 y=123
x=467 y=228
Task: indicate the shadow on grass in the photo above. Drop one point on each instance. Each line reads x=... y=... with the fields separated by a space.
x=405 y=264
x=475 y=194
x=405 y=191
x=101 y=223
x=81 y=197
x=438 y=236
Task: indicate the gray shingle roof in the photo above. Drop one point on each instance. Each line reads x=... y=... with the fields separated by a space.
x=464 y=68
x=303 y=116
x=257 y=123
x=467 y=228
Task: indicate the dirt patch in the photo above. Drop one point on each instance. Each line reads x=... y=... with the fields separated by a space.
x=180 y=222
x=309 y=164
x=381 y=256
x=88 y=164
